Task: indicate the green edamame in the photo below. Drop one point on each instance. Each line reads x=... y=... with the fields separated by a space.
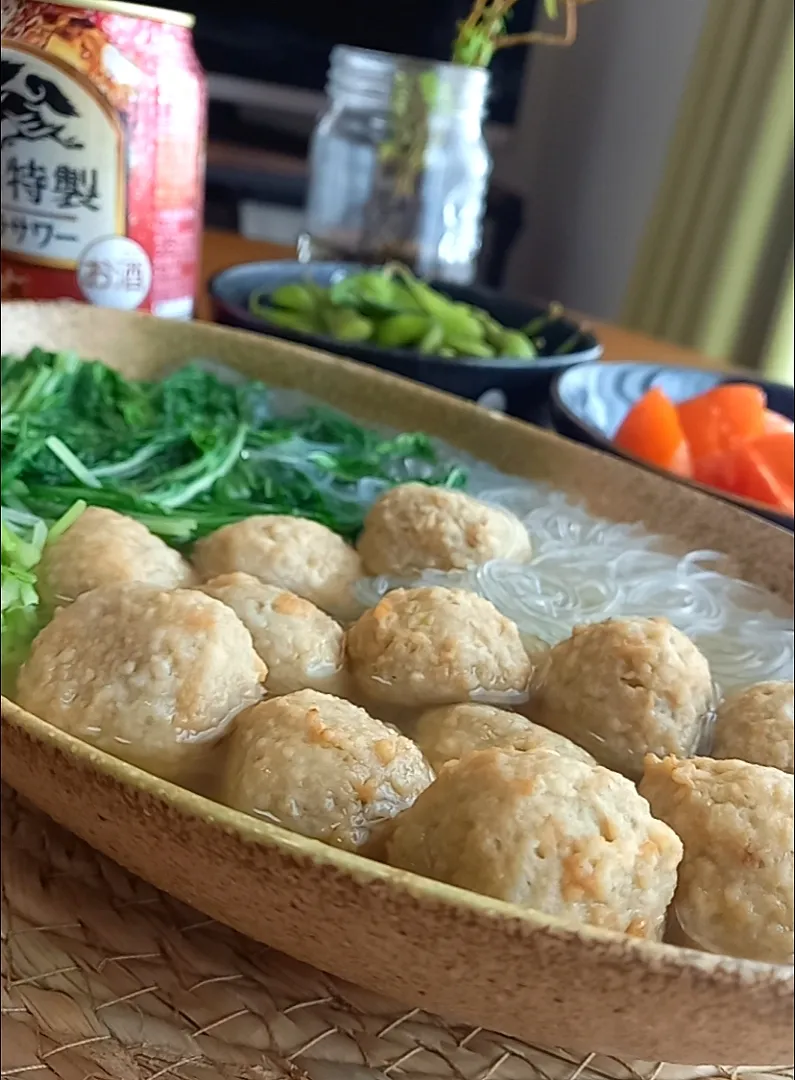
x=460 y=321
x=392 y=308
x=492 y=330
x=346 y=324
x=289 y=320
x=370 y=290
x=293 y=298
x=457 y=319
x=516 y=344
x=402 y=331
x=469 y=347
x=433 y=340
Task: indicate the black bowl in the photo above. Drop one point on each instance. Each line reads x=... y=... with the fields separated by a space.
x=518 y=387
x=590 y=402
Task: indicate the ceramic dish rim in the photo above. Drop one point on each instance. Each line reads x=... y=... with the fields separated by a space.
x=265 y=835
x=604 y=443
x=248 y=321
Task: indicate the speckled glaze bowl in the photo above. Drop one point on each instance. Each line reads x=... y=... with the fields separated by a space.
x=469 y=958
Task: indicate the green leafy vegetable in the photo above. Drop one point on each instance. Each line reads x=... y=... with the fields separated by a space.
x=184 y=456
x=23 y=540
x=190 y=453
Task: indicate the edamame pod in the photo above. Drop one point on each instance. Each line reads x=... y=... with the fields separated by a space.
x=294 y=297
x=457 y=319
x=433 y=303
x=515 y=344
x=301 y=321
x=460 y=320
x=469 y=347
x=368 y=292
x=345 y=292
x=401 y=331
x=403 y=299
x=347 y=325
x=492 y=330
x=432 y=340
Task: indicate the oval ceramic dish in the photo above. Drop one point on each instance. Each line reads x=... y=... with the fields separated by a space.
x=431 y=946
x=589 y=404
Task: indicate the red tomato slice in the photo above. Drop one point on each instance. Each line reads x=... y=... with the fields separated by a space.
x=761 y=469
x=775 y=423
x=652 y=432
x=722 y=417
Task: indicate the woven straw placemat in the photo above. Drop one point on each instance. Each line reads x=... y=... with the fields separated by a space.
x=105 y=978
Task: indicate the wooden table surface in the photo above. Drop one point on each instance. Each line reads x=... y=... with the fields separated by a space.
x=224 y=249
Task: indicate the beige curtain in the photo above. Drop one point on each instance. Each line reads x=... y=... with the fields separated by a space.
x=715 y=269
x=779 y=358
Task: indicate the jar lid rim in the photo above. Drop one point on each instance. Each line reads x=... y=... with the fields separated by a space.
x=339 y=51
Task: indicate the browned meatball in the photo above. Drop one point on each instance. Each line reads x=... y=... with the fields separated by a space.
x=302 y=646
x=735 y=892
x=291 y=553
x=544 y=831
x=756 y=724
x=625 y=687
x=415 y=527
x=102 y=547
x=152 y=677
x=321 y=766
x=433 y=646
x=451 y=731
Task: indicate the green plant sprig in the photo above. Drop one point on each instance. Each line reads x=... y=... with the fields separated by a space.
x=483 y=32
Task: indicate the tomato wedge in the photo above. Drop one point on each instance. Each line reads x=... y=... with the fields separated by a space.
x=721 y=418
x=726 y=438
x=652 y=432
x=761 y=469
x=776 y=423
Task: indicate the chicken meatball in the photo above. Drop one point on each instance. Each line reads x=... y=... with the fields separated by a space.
x=451 y=731
x=150 y=676
x=102 y=547
x=543 y=831
x=756 y=724
x=301 y=645
x=415 y=527
x=289 y=552
x=321 y=766
x=433 y=646
x=625 y=687
x=735 y=893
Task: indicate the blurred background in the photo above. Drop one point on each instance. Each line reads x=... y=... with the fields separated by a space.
x=643 y=176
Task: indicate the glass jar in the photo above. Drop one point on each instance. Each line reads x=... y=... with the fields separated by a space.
x=399 y=167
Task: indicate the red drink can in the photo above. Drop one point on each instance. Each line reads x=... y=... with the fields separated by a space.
x=104 y=111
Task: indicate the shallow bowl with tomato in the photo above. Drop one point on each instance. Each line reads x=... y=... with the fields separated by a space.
x=726 y=432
